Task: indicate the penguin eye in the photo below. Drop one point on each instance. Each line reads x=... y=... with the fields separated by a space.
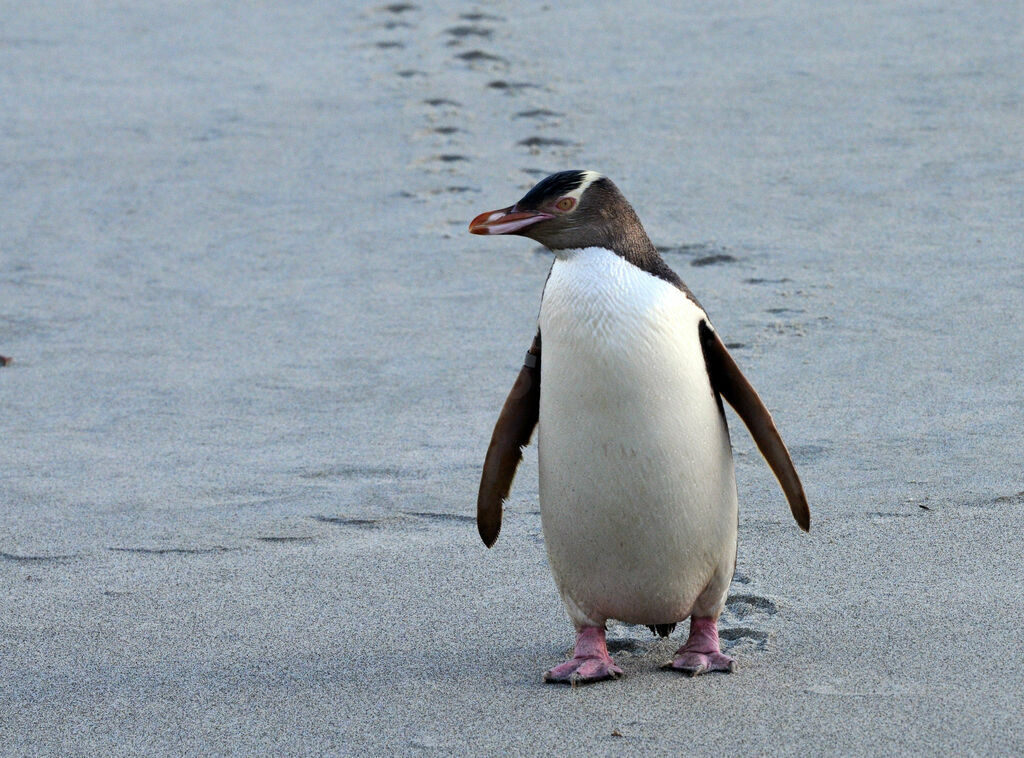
x=565 y=204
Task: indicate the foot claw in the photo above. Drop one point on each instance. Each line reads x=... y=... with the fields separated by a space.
x=693 y=663
x=583 y=671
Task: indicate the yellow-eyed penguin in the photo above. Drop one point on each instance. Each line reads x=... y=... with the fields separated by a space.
x=637 y=489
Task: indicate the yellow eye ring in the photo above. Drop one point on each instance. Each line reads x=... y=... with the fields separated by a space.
x=565 y=204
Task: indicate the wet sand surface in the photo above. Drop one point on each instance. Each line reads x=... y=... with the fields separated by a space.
x=257 y=358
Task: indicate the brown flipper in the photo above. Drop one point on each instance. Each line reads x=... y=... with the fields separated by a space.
x=729 y=382
x=511 y=434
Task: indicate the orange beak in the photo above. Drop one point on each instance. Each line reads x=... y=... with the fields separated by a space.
x=505 y=221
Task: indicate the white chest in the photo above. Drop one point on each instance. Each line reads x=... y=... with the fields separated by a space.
x=636 y=478
x=610 y=330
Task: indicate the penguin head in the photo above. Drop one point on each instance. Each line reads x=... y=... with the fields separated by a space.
x=570 y=209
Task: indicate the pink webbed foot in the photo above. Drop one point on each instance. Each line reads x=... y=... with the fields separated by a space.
x=702 y=652
x=590 y=661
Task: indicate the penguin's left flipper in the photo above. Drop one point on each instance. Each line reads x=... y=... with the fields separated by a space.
x=728 y=381
x=511 y=434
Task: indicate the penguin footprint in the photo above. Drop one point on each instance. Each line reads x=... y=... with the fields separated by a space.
x=746 y=621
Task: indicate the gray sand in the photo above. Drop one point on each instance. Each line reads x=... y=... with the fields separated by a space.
x=257 y=359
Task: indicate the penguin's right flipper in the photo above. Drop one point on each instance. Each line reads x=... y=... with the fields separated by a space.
x=511 y=434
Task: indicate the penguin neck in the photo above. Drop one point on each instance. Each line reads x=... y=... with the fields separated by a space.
x=624 y=234
x=631 y=243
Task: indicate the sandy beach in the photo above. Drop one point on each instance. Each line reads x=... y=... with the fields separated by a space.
x=257 y=359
